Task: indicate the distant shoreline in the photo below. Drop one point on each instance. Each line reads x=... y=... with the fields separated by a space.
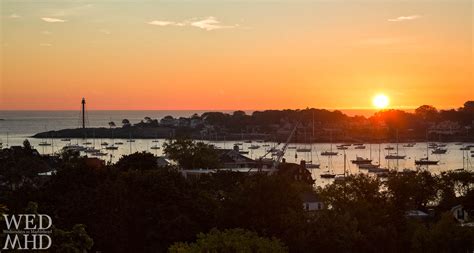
x=366 y=112
x=168 y=132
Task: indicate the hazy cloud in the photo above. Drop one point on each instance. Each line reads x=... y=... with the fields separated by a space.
x=208 y=24
x=13 y=15
x=404 y=18
x=161 y=23
x=53 y=20
x=46 y=32
x=46 y=44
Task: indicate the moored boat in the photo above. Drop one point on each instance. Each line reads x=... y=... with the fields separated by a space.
x=361 y=160
x=439 y=151
x=426 y=161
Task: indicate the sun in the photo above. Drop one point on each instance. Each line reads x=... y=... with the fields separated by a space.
x=380 y=101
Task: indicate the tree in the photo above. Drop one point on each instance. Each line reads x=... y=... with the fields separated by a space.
x=468 y=106
x=111 y=124
x=137 y=161
x=239 y=114
x=75 y=241
x=26 y=145
x=427 y=112
x=192 y=155
x=230 y=240
x=408 y=191
x=125 y=123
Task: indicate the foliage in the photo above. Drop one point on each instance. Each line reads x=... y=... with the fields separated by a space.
x=131 y=206
x=75 y=241
x=192 y=155
x=137 y=161
x=229 y=240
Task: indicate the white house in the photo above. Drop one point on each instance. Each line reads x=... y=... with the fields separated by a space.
x=311 y=202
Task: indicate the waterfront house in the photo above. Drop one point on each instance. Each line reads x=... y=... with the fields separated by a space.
x=232 y=159
x=311 y=201
x=296 y=172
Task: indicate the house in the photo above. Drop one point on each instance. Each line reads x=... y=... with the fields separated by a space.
x=232 y=159
x=93 y=162
x=297 y=172
x=460 y=214
x=446 y=128
x=163 y=161
x=311 y=201
x=195 y=122
x=184 y=122
x=169 y=121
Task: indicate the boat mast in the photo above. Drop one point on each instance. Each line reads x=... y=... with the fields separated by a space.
x=397 y=149
x=344 y=163
x=397 y=142
x=463 y=159
x=330 y=134
x=427 y=147
x=379 y=153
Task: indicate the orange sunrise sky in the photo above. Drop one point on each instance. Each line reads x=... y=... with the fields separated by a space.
x=225 y=55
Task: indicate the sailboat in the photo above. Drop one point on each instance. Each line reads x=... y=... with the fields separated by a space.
x=370 y=166
x=439 y=151
x=329 y=173
x=426 y=161
x=330 y=152
x=361 y=160
x=304 y=149
x=113 y=146
x=155 y=146
x=343 y=176
x=312 y=165
x=44 y=142
x=342 y=147
x=396 y=155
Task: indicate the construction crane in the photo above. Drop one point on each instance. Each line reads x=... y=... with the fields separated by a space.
x=281 y=153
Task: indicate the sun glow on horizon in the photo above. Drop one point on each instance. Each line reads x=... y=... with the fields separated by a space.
x=380 y=101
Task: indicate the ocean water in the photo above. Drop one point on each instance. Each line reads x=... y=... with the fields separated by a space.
x=31 y=122
x=20 y=125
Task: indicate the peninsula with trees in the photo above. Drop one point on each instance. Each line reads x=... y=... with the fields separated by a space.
x=313 y=125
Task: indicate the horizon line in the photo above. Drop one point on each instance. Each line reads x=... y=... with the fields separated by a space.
x=217 y=110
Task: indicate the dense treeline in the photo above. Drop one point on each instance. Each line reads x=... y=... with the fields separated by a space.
x=140 y=207
x=395 y=118
x=314 y=124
